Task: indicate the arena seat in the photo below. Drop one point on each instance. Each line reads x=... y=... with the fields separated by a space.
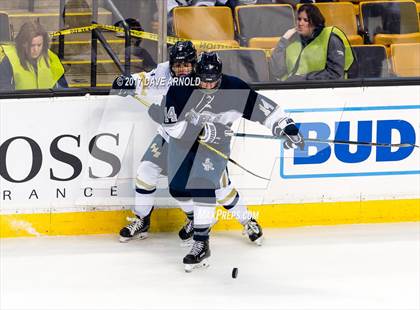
x=263 y=21
x=418 y=11
x=405 y=59
x=341 y=15
x=390 y=22
x=189 y=24
x=265 y=43
x=4 y=27
x=247 y=63
x=389 y=39
x=371 y=62
x=356 y=4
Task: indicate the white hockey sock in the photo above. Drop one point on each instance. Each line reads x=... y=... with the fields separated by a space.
x=145 y=187
x=187 y=206
x=143 y=204
x=203 y=218
x=240 y=212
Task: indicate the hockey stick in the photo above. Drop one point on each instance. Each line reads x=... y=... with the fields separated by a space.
x=142 y=101
x=230 y=159
x=249 y=135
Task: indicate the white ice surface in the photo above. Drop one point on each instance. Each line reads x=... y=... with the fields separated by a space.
x=336 y=267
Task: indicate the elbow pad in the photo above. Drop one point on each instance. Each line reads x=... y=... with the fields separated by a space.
x=156 y=114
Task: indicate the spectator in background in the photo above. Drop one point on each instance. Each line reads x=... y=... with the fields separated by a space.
x=29 y=64
x=311 y=51
x=148 y=62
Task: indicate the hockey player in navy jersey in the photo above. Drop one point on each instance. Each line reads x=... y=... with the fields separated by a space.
x=151 y=87
x=204 y=114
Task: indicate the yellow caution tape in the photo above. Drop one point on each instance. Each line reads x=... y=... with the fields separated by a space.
x=141 y=34
x=142 y=101
x=73 y=30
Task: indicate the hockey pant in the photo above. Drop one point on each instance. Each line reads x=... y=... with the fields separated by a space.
x=202 y=177
x=153 y=165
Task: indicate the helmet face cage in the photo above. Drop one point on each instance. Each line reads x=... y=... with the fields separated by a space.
x=183 y=51
x=209 y=67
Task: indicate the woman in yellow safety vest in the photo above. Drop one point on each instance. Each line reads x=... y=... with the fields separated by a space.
x=29 y=64
x=311 y=51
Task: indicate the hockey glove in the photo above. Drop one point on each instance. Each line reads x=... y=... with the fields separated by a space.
x=215 y=133
x=124 y=86
x=199 y=119
x=286 y=128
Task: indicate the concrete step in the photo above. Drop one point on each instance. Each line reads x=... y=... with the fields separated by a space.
x=40 y=4
x=49 y=18
x=104 y=66
x=80 y=44
x=14 y=5
x=79 y=81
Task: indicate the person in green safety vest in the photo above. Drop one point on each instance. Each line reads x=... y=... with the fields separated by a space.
x=29 y=64
x=311 y=51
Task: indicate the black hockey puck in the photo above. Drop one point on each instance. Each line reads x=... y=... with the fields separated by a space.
x=234 y=272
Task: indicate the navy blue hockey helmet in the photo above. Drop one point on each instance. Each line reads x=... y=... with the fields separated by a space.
x=209 y=67
x=182 y=51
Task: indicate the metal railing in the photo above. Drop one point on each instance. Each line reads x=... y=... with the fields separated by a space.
x=31 y=5
x=96 y=36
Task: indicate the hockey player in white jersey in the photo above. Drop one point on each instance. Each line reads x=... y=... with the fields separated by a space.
x=204 y=114
x=152 y=86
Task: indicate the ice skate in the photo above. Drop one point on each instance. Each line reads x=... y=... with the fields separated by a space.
x=186 y=233
x=198 y=256
x=137 y=229
x=254 y=231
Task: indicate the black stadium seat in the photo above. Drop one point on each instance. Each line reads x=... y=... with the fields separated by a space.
x=262 y=21
x=390 y=22
x=248 y=64
x=371 y=62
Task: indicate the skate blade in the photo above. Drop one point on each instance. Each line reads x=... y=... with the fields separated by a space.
x=139 y=236
x=259 y=241
x=190 y=267
x=187 y=243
